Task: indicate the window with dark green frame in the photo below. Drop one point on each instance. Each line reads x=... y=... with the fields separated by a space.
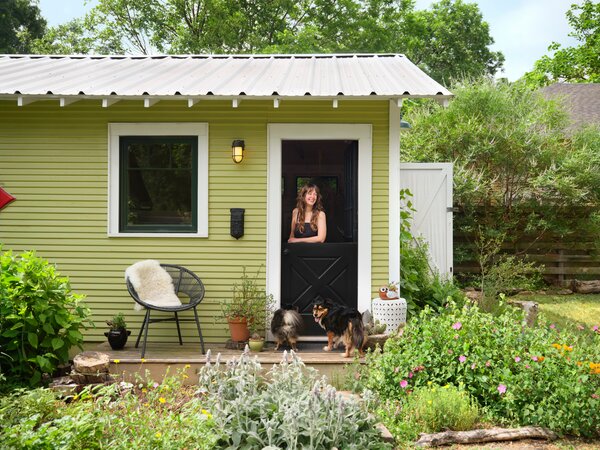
x=158 y=179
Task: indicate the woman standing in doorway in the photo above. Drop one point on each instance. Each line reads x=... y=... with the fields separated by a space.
x=308 y=217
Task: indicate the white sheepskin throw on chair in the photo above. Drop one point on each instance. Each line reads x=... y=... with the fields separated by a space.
x=152 y=283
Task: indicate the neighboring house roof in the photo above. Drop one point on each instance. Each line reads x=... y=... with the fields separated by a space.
x=221 y=76
x=581 y=99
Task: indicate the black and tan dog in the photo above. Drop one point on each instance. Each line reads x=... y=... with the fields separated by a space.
x=340 y=321
x=285 y=326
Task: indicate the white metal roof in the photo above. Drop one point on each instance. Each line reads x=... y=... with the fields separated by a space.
x=219 y=76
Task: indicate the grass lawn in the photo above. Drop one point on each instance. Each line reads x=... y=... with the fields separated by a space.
x=568 y=310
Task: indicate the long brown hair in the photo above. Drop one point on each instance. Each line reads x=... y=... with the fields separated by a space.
x=301 y=206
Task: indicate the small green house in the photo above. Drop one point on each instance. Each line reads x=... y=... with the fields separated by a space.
x=116 y=159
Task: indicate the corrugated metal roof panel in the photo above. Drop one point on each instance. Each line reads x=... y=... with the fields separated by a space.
x=357 y=75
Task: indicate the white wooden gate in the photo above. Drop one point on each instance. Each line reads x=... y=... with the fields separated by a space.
x=431 y=187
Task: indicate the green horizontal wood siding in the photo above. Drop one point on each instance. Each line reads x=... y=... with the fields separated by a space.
x=55 y=162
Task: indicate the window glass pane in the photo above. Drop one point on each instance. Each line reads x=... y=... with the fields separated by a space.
x=158 y=184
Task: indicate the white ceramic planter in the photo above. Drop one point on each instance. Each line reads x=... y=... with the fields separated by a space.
x=390 y=312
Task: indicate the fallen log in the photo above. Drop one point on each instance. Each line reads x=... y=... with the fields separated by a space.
x=484 y=435
x=586 y=287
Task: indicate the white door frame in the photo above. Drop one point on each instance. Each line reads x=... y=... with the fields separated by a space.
x=321 y=131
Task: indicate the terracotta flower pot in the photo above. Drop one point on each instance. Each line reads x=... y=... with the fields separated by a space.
x=238 y=327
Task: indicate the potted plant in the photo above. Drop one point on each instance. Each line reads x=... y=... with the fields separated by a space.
x=118 y=333
x=248 y=308
x=256 y=342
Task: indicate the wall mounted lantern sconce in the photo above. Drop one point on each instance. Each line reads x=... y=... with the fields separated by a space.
x=237 y=151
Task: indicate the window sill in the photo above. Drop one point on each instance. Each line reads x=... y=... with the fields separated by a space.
x=157 y=235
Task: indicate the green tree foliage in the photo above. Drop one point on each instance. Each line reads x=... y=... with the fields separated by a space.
x=21 y=22
x=579 y=64
x=449 y=41
x=76 y=37
x=516 y=172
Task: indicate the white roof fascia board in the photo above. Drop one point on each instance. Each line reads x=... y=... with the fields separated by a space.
x=116 y=98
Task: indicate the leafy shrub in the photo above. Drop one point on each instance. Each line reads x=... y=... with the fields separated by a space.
x=290 y=408
x=506 y=275
x=34 y=420
x=120 y=416
x=40 y=318
x=519 y=375
x=420 y=285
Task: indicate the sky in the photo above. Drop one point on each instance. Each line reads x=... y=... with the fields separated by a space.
x=522 y=29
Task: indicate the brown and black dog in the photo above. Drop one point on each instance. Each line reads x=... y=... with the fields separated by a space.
x=340 y=321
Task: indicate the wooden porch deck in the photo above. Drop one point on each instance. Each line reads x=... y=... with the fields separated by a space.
x=172 y=357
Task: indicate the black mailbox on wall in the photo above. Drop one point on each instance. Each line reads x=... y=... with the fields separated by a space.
x=236 y=228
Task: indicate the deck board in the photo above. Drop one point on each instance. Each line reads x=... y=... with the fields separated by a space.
x=162 y=358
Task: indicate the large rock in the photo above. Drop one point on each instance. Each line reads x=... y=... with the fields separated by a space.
x=530 y=308
x=91 y=363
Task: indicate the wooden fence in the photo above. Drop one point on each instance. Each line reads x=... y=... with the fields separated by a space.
x=564 y=261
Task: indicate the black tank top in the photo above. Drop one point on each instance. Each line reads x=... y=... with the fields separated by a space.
x=308 y=231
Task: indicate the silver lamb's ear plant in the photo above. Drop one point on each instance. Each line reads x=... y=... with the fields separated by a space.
x=208 y=357
x=291 y=407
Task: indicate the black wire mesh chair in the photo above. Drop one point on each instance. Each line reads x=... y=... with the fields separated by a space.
x=185 y=282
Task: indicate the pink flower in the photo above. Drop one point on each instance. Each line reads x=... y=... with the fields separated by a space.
x=457 y=326
x=488 y=363
x=517 y=359
x=403 y=384
x=527 y=366
x=595 y=328
x=596 y=396
x=580 y=327
x=462 y=358
x=396 y=369
x=473 y=366
x=552 y=326
x=501 y=389
x=535 y=358
x=410 y=374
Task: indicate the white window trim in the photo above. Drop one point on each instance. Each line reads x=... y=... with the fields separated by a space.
x=310 y=131
x=116 y=130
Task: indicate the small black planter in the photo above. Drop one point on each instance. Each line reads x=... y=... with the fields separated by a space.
x=117 y=338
